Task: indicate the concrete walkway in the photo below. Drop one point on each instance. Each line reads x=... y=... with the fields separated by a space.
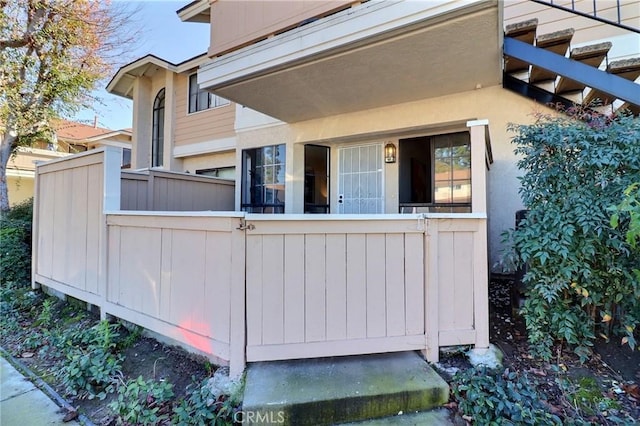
x=23 y=404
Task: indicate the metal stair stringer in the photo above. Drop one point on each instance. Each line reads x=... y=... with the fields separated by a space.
x=615 y=86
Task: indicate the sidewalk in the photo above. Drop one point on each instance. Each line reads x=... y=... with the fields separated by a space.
x=23 y=404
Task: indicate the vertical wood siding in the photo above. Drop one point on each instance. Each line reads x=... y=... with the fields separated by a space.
x=318 y=288
x=68 y=207
x=170 y=191
x=174 y=275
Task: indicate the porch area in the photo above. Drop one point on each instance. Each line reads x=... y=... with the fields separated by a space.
x=241 y=287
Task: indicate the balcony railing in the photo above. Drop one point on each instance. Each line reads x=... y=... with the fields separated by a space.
x=593 y=12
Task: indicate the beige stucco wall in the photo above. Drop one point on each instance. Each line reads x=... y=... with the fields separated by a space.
x=210 y=161
x=20 y=189
x=445 y=114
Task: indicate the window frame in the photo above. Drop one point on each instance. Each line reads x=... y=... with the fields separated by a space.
x=213 y=101
x=254 y=166
x=157 y=129
x=431 y=204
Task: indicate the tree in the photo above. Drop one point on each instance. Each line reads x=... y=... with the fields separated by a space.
x=52 y=55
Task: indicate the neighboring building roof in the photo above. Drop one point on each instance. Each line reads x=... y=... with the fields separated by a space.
x=74 y=131
x=122 y=82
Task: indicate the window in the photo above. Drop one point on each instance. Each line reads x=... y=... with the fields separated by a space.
x=75 y=148
x=157 y=138
x=263 y=179
x=126 y=158
x=199 y=99
x=435 y=173
x=219 y=172
x=316 y=179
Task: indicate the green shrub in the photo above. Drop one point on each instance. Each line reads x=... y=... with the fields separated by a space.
x=15 y=244
x=579 y=281
x=92 y=367
x=500 y=398
x=202 y=408
x=142 y=402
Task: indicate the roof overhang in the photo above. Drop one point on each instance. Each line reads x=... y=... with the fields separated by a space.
x=372 y=55
x=196 y=11
x=122 y=82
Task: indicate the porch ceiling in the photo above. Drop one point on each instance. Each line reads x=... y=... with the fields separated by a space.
x=447 y=53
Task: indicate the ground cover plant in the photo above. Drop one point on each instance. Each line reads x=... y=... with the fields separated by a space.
x=147 y=382
x=579 y=283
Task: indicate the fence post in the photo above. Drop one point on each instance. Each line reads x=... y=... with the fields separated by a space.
x=110 y=203
x=238 y=327
x=477 y=130
x=431 y=302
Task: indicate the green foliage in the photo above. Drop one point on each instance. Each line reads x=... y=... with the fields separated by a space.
x=586 y=396
x=92 y=366
x=142 y=402
x=500 y=398
x=579 y=280
x=203 y=408
x=15 y=248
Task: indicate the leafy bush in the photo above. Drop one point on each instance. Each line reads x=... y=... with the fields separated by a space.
x=142 y=402
x=579 y=278
x=92 y=366
x=15 y=235
x=203 y=408
x=500 y=398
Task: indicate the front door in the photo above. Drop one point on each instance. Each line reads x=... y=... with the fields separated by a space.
x=360 y=180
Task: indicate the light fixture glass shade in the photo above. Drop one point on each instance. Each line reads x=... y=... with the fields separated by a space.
x=390 y=153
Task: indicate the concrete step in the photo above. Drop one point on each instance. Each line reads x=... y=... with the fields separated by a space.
x=438 y=417
x=526 y=32
x=329 y=391
x=626 y=68
x=591 y=55
x=556 y=42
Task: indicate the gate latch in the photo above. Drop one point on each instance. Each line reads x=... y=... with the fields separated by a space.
x=244 y=226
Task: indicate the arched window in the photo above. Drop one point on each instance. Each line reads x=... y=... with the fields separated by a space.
x=157 y=139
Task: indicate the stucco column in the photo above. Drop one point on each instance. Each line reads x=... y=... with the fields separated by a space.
x=169 y=162
x=141 y=140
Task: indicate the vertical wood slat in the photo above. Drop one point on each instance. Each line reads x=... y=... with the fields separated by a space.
x=446 y=280
x=94 y=228
x=336 y=285
x=414 y=268
x=463 y=281
x=113 y=265
x=356 y=287
x=273 y=289
x=395 y=285
x=376 y=285
x=294 y=301
x=254 y=289
x=315 y=295
x=218 y=275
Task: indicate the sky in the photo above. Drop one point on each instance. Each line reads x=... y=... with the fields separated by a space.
x=162 y=34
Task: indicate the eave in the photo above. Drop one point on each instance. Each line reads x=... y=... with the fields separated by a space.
x=375 y=54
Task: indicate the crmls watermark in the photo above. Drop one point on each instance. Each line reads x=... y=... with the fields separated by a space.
x=259 y=417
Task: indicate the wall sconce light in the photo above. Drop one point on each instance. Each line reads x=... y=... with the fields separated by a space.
x=389 y=153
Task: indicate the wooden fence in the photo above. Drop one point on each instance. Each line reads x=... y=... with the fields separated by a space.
x=158 y=190
x=240 y=287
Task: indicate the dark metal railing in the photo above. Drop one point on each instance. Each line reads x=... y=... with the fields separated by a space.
x=593 y=14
